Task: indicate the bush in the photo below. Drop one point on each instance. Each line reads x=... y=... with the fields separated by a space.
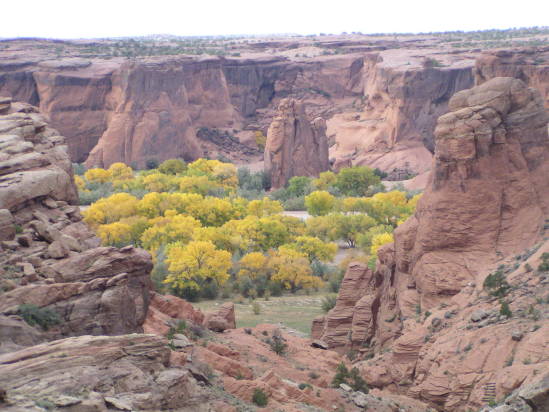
x=151 y=164
x=256 y=308
x=544 y=265
x=275 y=288
x=260 y=398
x=352 y=378
x=496 y=285
x=277 y=343
x=79 y=169
x=355 y=181
x=96 y=192
x=294 y=203
x=299 y=186
x=342 y=373
x=34 y=315
x=504 y=309
x=172 y=167
x=356 y=381
x=328 y=302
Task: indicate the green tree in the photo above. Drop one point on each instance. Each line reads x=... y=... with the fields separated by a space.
x=355 y=181
x=320 y=203
x=172 y=167
x=299 y=186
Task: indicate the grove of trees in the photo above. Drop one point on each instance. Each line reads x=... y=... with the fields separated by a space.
x=213 y=229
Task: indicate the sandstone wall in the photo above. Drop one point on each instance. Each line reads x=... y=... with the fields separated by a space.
x=485 y=207
x=48 y=256
x=295 y=146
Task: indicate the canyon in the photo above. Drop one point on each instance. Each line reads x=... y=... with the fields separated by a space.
x=451 y=317
x=379 y=97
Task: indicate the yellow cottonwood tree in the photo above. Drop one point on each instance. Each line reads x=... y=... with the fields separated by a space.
x=195 y=263
x=314 y=248
x=253 y=265
x=169 y=229
x=115 y=234
x=120 y=171
x=264 y=207
x=111 y=209
x=97 y=175
x=292 y=270
x=319 y=203
x=380 y=240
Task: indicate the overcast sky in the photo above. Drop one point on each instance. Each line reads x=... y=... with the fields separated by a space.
x=109 y=18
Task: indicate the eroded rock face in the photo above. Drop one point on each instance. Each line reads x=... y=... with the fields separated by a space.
x=424 y=311
x=50 y=259
x=295 y=146
x=488 y=193
x=33 y=160
x=393 y=126
x=531 y=65
x=128 y=372
x=346 y=322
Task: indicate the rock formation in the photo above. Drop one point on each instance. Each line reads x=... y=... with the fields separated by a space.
x=49 y=258
x=153 y=108
x=487 y=200
x=392 y=126
x=531 y=65
x=295 y=146
x=127 y=372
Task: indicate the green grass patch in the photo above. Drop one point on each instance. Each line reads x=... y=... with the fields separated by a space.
x=294 y=311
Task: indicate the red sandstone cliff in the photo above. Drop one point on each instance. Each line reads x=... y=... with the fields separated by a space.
x=295 y=146
x=486 y=201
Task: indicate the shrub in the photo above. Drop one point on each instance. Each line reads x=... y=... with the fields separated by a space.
x=304 y=385
x=179 y=327
x=328 y=302
x=34 y=315
x=314 y=375
x=342 y=373
x=504 y=309
x=277 y=343
x=496 y=285
x=260 y=398
x=151 y=164
x=294 y=203
x=544 y=265
x=256 y=308
x=299 y=186
x=356 y=381
x=78 y=169
x=172 y=167
x=352 y=378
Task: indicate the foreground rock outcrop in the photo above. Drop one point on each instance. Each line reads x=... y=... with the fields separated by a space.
x=424 y=311
x=295 y=146
x=98 y=373
x=50 y=260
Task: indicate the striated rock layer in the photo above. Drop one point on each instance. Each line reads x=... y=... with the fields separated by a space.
x=98 y=373
x=49 y=258
x=295 y=146
x=487 y=200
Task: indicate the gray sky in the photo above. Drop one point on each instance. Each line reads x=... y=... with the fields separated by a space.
x=106 y=18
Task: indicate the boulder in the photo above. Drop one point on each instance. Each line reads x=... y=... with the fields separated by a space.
x=222 y=319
